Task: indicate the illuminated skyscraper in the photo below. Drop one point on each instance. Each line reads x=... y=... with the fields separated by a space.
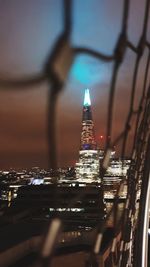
x=87 y=168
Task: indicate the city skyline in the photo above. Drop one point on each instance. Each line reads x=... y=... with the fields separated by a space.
x=27 y=32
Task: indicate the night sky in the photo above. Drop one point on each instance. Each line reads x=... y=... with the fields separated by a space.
x=28 y=30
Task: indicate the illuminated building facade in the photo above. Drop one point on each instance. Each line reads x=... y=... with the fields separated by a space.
x=87 y=168
x=116 y=171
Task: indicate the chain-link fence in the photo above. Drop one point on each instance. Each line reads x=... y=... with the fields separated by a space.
x=55 y=72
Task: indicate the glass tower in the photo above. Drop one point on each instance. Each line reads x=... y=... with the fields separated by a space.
x=87 y=168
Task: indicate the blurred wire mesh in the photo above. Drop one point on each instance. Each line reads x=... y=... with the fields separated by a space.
x=56 y=69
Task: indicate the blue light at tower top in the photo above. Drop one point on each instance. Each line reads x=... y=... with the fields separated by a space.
x=87 y=100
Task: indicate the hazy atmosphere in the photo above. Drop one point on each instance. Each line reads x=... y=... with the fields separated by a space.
x=28 y=30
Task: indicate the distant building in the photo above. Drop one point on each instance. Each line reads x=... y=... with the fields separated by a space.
x=87 y=168
x=118 y=167
x=62 y=200
x=116 y=171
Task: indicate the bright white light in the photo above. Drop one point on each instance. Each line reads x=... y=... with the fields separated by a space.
x=87 y=100
x=37 y=181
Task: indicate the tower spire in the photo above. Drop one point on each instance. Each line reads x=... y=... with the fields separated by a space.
x=87 y=100
x=88 y=141
x=87 y=168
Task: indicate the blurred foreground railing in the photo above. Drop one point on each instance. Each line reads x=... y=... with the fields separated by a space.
x=123 y=250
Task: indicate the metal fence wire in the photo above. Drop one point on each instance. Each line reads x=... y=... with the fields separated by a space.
x=55 y=72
